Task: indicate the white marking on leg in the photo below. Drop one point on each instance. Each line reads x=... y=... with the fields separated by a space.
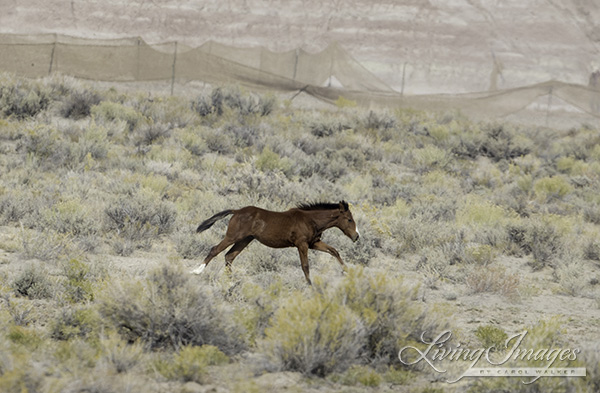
x=199 y=269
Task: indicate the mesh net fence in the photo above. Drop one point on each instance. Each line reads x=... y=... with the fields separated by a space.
x=132 y=59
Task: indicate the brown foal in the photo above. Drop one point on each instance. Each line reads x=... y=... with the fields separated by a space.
x=300 y=227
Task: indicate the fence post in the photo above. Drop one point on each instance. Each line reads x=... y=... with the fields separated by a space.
x=296 y=64
x=137 y=66
x=403 y=78
x=173 y=73
x=52 y=55
x=549 y=107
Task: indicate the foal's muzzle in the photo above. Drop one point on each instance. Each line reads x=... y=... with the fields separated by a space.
x=355 y=236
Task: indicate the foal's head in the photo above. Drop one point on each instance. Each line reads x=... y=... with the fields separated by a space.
x=346 y=222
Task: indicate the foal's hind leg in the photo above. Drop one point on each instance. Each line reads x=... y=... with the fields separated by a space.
x=216 y=250
x=235 y=251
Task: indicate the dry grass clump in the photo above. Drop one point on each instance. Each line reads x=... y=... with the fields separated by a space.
x=495 y=280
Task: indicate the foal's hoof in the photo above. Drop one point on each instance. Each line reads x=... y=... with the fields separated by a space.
x=199 y=269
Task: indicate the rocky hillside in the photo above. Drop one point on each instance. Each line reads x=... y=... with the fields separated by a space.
x=416 y=46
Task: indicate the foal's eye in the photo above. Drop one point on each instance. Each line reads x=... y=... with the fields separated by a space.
x=349 y=220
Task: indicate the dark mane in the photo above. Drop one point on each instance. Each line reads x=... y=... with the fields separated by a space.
x=321 y=206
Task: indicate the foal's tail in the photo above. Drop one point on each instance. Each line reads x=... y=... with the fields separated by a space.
x=209 y=223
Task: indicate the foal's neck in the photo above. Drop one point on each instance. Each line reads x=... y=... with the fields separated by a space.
x=325 y=219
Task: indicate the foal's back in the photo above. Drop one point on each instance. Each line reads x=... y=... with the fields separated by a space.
x=273 y=229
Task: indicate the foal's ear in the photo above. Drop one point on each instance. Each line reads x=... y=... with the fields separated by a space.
x=344 y=206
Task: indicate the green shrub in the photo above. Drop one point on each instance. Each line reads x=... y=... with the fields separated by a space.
x=549 y=188
x=266 y=105
x=44 y=143
x=537 y=237
x=334 y=164
x=119 y=354
x=418 y=233
x=70 y=217
x=173 y=110
x=112 y=111
x=233 y=98
x=217 y=142
x=20 y=374
x=170 y=310
x=313 y=334
x=430 y=157
x=432 y=390
x=483 y=213
x=203 y=105
x=591 y=213
x=46 y=246
x=343 y=102
x=193 y=141
x=15 y=205
x=434 y=208
x=150 y=133
x=81 y=322
x=386 y=307
x=260 y=305
x=496 y=141
x=139 y=219
x=570 y=273
x=79 y=104
x=546 y=244
x=359 y=375
x=190 y=363
x=79 y=286
x=362 y=252
x=92 y=141
x=491 y=336
x=269 y=161
x=22 y=98
x=398 y=376
x=33 y=283
x=72 y=148
x=592 y=250
x=18 y=311
x=327 y=127
x=188 y=245
x=590 y=359
x=24 y=336
x=378 y=122
x=481 y=254
x=242 y=135
x=76 y=354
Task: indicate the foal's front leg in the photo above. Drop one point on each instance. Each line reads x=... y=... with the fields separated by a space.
x=303 y=251
x=322 y=246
